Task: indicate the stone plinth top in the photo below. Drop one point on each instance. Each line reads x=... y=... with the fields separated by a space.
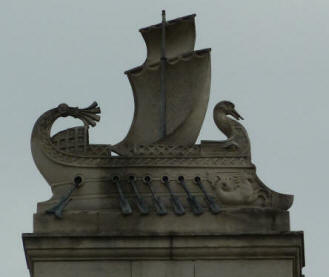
x=279 y=249
x=239 y=220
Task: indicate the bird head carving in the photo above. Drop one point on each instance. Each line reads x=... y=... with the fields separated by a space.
x=228 y=108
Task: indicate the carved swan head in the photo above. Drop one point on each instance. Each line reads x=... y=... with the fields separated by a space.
x=227 y=108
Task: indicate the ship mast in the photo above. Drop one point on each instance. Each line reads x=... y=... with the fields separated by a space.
x=158 y=83
x=163 y=119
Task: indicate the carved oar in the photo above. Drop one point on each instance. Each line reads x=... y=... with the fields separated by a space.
x=141 y=204
x=57 y=210
x=124 y=204
x=159 y=206
x=210 y=200
x=178 y=207
x=195 y=206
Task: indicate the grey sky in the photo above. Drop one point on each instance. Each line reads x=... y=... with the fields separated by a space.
x=270 y=57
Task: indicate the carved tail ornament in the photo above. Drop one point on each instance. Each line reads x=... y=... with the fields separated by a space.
x=43 y=143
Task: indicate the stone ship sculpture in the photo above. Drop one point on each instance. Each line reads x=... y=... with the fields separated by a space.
x=158 y=172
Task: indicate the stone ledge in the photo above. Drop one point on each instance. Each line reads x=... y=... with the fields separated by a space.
x=288 y=246
x=238 y=220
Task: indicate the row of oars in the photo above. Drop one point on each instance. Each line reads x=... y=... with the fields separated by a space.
x=158 y=203
x=141 y=204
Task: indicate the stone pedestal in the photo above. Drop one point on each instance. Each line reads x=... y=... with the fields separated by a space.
x=226 y=255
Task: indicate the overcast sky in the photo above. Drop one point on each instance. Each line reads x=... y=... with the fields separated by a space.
x=269 y=57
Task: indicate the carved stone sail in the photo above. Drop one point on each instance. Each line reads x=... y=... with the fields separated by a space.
x=187 y=85
x=180 y=38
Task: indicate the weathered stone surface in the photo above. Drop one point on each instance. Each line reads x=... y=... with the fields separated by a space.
x=239 y=220
x=257 y=255
x=162 y=269
x=243 y=268
x=82 y=269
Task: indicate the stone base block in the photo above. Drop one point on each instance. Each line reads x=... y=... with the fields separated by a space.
x=239 y=255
